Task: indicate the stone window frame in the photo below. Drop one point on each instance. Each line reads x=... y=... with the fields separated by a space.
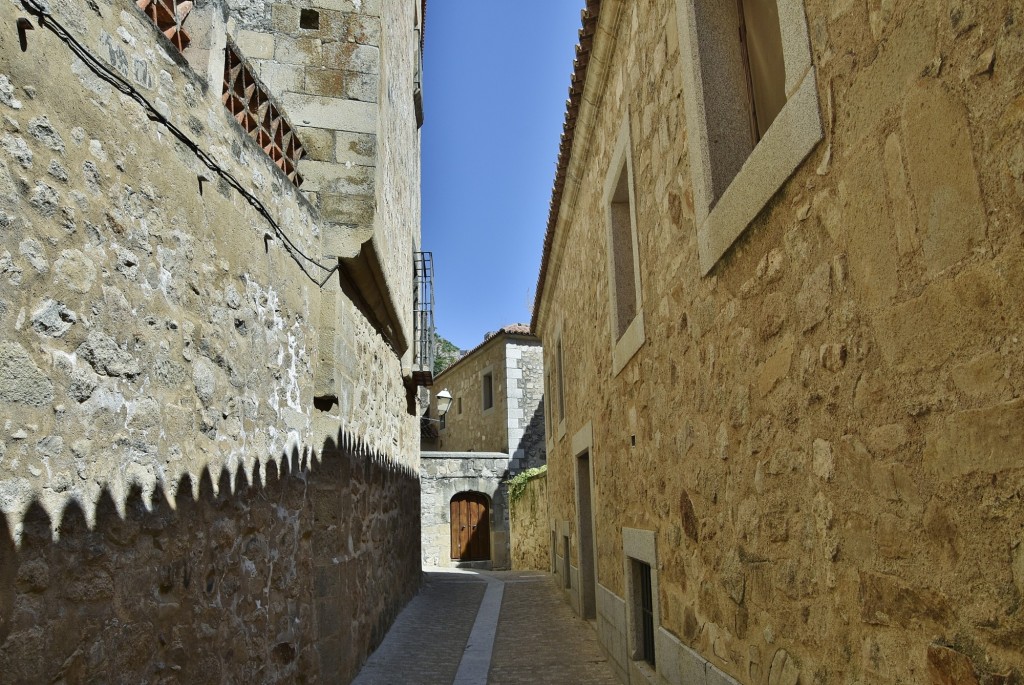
x=793 y=135
x=486 y=371
x=626 y=345
x=639 y=545
x=565 y=545
x=559 y=409
x=549 y=405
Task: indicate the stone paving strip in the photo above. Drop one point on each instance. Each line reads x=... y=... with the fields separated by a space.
x=427 y=640
x=488 y=628
x=476 y=660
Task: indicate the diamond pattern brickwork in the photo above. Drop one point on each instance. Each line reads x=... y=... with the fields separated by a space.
x=169 y=16
x=256 y=112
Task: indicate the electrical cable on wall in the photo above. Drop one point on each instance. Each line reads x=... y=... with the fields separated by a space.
x=46 y=20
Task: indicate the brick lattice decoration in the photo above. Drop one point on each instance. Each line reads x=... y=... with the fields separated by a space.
x=253 y=109
x=169 y=16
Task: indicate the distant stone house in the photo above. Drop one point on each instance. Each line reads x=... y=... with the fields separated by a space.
x=493 y=430
x=781 y=314
x=210 y=219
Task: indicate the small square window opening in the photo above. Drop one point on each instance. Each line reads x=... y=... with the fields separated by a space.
x=309 y=19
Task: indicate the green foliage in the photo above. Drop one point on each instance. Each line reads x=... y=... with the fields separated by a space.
x=517 y=485
x=445 y=354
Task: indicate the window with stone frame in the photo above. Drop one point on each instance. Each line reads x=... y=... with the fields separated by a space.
x=549 y=406
x=625 y=295
x=643 y=608
x=622 y=243
x=752 y=111
x=560 y=380
x=643 y=614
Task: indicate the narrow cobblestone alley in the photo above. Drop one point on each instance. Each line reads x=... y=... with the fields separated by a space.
x=477 y=627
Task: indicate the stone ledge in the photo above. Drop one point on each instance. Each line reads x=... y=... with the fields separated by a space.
x=463 y=455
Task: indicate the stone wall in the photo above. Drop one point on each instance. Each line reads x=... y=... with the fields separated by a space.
x=344 y=73
x=445 y=474
x=529 y=530
x=157 y=328
x=524 y=369
x=823 y=433
x=475 y=428
x=275 y=580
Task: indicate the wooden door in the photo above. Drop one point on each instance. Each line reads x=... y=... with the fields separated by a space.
x=471 y=531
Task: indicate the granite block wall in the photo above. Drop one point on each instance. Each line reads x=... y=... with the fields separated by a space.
x=524 y=369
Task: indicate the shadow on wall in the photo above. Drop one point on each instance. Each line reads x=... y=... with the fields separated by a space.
x=532 y=442
x=258 y=578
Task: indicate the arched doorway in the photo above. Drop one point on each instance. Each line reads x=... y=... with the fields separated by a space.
x=471 y=530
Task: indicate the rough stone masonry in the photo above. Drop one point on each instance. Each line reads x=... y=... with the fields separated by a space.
x=175 y=508
x=820 y=437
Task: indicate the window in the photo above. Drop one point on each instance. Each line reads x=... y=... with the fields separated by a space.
x=622 y=244
x=752 y=111
x=761 y=43
x=488 y=391
x=309 y=20
x=644 y=599
x=566 y=572
x=561 y=385
x=642 y=613
x=626 y=316
x=549 y=393
x=460 y=405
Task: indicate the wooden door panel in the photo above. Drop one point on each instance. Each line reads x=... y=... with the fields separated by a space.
x=470 y=527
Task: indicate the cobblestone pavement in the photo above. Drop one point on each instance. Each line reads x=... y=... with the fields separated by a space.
x=539 y=640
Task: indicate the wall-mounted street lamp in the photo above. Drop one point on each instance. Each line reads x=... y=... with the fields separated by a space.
x=444 y=402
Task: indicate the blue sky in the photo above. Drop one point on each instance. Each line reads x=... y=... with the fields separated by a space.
x=496 y=77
